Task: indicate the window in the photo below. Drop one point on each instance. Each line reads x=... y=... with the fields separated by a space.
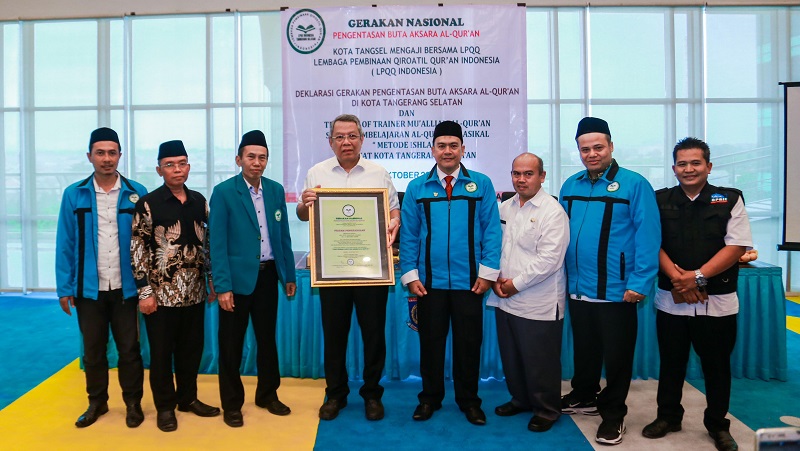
x=708 y=72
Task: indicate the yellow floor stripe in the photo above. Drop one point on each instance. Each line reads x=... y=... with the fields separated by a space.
x=793 y=324
x=44 y=418
x=795 y=299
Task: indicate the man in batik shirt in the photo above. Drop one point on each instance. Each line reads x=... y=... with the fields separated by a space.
x=169 y=264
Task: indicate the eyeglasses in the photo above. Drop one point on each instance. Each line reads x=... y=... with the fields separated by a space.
x=174 y=166
x=350 y=137
x=526 y=174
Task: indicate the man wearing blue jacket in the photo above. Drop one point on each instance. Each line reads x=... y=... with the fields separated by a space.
x=612 y=261
x=449 y=256
x=245 y=275
x=93 y=274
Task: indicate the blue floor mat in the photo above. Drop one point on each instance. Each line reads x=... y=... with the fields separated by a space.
x=448 y=429
x=38 y=340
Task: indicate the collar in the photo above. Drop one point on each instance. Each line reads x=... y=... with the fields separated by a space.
x=335 y=164
x=536 y=200
x=442 y=175
x=117 y=185
x=438 y=176
x=608 y=174
x=167 y=194
x=703 y=196
x=252 y=188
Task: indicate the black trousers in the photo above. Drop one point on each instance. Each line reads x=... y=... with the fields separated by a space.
x=713 y=339
x=94 y=319
x=262 y=306
x=604 y=333
x=175 y=333
x=337 y=310
x=531 y=354
x=435 y=312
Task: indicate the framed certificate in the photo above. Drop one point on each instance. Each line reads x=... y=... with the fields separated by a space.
x=348 y=238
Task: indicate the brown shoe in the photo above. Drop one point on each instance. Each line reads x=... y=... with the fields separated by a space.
x=373 y=408
x=724 y=441
x=331 y=408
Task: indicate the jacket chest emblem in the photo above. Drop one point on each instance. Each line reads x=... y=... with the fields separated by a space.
x=471 y=187
x=718 y=198
x=614 y=186
x=133 y=198
x=278 y=215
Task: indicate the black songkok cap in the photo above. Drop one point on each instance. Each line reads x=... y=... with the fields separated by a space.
x=448 y=128
x=172 y=149
x=253 y=138
x=592 y=125
x=103 y=134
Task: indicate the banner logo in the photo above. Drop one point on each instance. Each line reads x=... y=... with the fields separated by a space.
x=305 y=31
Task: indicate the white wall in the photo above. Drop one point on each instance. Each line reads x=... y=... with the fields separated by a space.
x=63 y=9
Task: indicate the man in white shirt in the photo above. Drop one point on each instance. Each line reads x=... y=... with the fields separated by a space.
x=348 y=169
x=705 y=230
x=93 y=274
x=530 y=294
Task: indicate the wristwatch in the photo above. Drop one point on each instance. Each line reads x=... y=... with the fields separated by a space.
x=700 y=280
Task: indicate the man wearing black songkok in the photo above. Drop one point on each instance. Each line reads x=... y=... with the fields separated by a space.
x=168 y=256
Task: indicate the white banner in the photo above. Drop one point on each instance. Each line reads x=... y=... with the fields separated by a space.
x=402 y=70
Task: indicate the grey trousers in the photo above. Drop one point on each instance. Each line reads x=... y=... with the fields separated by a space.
x=531 y=355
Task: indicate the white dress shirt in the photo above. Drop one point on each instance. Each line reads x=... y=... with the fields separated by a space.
x=365 y=174
x=535 y=240
x=257 y=197
x=108 y=269
x=736 y=234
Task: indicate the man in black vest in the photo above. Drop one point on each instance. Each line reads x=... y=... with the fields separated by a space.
x=705 y=230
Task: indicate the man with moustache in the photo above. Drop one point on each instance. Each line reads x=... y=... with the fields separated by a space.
x=449 y=257
x=93 y=275
x=705 y=230
x=244 y=207
x=169 y=265
x=348 y=169
x=611 y=261
x=529 y=295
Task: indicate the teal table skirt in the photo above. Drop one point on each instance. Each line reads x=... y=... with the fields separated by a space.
x=760 y=351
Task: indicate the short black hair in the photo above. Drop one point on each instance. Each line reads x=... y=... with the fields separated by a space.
x=692 y=143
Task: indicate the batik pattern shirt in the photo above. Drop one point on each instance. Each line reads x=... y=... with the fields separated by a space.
x=168 y=254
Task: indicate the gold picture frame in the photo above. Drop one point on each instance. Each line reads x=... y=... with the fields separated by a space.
x=348 y=240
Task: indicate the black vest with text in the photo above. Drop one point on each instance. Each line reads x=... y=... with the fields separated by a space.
x=694 y=231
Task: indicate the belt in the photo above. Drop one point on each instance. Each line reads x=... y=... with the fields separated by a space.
x=265 y=265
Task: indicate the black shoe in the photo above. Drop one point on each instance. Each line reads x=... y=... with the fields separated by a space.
x=134 y=415
x=233 y=418
x=275 y=407
x=166 y=421
x=571 y=405
x=92 y=414
x=424 y=411
x=540 y=424
x=373 y=408
x=508 y=409
x=200 y=409
x=610 y=432
x=474 y=415
x=724 y=441
x=660 y=428
x=331 y=408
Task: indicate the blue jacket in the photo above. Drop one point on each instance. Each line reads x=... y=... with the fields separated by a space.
x=447 y=241
x=235 y=238
x=76 y=238
x=615 y=234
